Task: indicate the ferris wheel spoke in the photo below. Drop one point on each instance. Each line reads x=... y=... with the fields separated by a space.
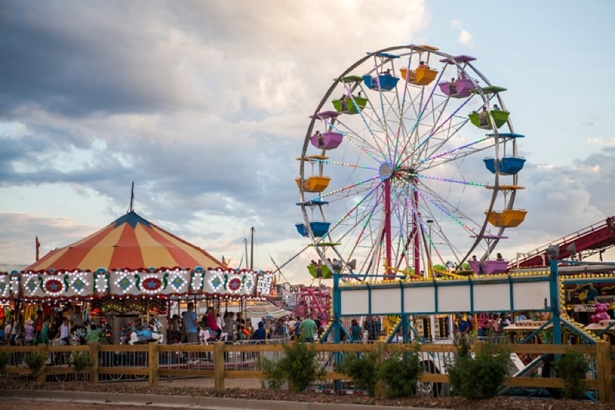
x=344 y=164
x=433 y=157
x=349 y=93
x=401 y=110
x=454 y=181
x=367 y=221
x=449 y=214
x=460 y=213
x=322 y=196
x=424 y=231
x=385 y=127
x=434 y=131
x=418 y=120
x=333 y=127
x=441 y=138
x=440 y=233
x=405 y=240
x=459 y=155
x=357 y=205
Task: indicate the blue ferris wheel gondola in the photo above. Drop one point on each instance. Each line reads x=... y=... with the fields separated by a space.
x=506 y=166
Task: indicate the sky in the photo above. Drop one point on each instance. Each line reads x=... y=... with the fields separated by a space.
x=205 y=105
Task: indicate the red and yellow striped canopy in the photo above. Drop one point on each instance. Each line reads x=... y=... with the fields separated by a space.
x=130 y=242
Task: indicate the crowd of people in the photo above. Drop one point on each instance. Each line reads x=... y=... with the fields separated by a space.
x=43 y=327
x=232 y=327
x=46 y=327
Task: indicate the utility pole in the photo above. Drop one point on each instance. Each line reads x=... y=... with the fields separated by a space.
x=252 y=248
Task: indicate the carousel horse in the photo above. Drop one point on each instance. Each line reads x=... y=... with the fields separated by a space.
x=205 y=335
x=77 y=336
x=151 y=333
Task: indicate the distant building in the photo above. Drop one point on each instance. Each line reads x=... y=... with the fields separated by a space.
x=9 y=267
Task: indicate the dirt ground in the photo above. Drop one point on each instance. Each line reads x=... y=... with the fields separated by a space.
x=11 y=404
x=237 y=389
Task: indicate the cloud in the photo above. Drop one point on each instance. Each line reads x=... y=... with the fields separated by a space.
x=465 y=37
x=610 y=142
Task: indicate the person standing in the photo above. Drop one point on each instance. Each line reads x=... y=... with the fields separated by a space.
x=371 y=327
x=190 y=324
x=295 y=333
x=463 y=327
x=308 y=328
x=229 y=324
x=356 y=332
x=260 y=333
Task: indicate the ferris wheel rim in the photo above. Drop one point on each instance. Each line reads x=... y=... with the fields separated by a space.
x=316 y=240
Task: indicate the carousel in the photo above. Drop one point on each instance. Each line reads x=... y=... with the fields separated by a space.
x=129 y=276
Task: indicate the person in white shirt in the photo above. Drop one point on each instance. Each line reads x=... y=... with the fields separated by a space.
x=63 y=333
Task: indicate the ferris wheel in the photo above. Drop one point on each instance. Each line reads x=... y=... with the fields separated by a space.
x=410 y=161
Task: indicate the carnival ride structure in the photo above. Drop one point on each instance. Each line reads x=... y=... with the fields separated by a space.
x=129 y=271
x=393 y=162
x=594 y=239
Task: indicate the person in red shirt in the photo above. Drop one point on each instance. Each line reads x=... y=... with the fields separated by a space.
x=422 y=65
x=38 y=326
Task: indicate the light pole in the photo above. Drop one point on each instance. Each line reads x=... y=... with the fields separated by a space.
x=429 y=222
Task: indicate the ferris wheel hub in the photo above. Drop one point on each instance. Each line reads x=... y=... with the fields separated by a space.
x=386 y=170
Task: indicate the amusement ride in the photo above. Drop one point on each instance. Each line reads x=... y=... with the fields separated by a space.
x=389 y=169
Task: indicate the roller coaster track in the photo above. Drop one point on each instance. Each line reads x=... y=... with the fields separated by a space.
x=594 y=239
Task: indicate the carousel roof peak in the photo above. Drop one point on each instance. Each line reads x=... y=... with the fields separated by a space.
x=131 y=218
x=129 y=242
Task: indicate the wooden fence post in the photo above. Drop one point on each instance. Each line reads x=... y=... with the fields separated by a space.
x=219 y=366
x=605 y=377
x=43 y=373
x=93 y=362
x=291 y=345
x=153 y=363
x=381 y=387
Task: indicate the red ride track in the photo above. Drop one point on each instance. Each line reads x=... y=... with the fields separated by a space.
x=593 y=239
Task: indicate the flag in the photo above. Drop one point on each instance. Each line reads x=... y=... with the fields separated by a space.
x=38 y=245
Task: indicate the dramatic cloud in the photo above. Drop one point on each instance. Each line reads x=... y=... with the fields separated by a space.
x=203 y=105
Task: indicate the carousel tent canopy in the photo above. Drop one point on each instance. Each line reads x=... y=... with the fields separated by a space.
x=130 y=242
x=266 y=310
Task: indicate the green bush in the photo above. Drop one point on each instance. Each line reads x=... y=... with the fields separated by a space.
x=35 y=362
x=80 y=361
x=362 y=370
x=5 y=357
x=479 y=377
x=401 y=373
x=298 y=366
x=273 y=375
x=572 y=368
